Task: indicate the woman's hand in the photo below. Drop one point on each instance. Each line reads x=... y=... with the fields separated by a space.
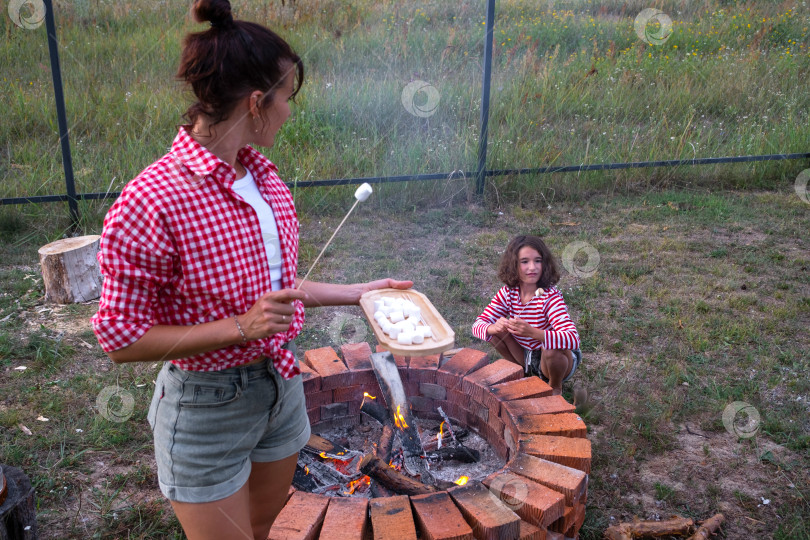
x=271 y=314
x=387 y=283
x=519 y=327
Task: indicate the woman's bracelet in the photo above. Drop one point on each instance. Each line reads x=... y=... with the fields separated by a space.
x=239 y=327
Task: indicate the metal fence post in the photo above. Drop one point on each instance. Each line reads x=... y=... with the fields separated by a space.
x=485 y=88
x=56 y=74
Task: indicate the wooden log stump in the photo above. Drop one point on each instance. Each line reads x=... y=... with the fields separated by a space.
x=70 y=269
x=17 y=511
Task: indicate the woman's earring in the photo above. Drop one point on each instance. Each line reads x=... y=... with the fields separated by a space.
x=256 y=130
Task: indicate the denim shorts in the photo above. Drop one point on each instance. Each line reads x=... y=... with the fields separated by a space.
x=209 y=426
x=532 y=363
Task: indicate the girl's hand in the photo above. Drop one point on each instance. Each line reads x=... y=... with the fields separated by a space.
x=519 y=327
x=271 y=314
x=498 y=327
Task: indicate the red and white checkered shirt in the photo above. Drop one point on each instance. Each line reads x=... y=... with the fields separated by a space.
x=547 y=312
x=180 y=247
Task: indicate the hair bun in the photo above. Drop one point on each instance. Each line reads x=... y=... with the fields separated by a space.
x=217 y=12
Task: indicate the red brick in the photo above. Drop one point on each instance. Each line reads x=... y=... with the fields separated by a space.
x=496 y=424
x=437 y=518
x=348 y=393
x=332 y=370
x=314 y=415
x=530 y=532
x=577 y=521
x=572 y=452
x=541 y=405
x=459 y=398
x=346 y=519
x=392 y=519
x=463 y=362
x=564 y=522
x=527 y=387
x=423 y=368
x=512 y=439
x=563 y=425
x=312 y=381
x=411 y=388
x=489 y=518
x=301 y=518
x=316 y=399
x=572 y=483
x=477 y=383
x=337 y=422
x=357 y=356
x=533 y=502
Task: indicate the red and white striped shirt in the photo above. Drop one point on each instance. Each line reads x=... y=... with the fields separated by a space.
x=547 y=312
x=180 y=247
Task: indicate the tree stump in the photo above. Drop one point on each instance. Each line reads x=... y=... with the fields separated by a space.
x=70 y=269
x=17 y=512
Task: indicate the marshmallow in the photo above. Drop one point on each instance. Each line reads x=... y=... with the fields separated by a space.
x=405 y=338
x=394 y=331
x=396 y=316
x=379 y=314
x=418 y=338
x=378 y=304
x=426 y=331
x=388 y=301
x=363 y=192
x=413 y=320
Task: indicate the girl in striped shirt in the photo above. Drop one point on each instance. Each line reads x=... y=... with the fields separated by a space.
x=527 y=321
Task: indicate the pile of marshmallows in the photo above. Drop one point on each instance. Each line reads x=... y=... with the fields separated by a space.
x=401 y=319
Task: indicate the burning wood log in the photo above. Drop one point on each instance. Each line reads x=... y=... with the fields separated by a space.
x=386 y=444
x=392 y=479
x=317 y=444
x=433 y=443
x=376 y=411
x=385 y=368
x=671 y=527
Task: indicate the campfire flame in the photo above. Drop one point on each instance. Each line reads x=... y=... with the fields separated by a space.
x=306 y=469
x=440 y=435
x=462 y=480
x=399 y=420
x=355 y=484
x=366 y=395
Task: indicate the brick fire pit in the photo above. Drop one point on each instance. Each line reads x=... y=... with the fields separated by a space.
x=540 y=493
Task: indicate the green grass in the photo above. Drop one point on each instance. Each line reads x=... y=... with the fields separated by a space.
x=572 y=83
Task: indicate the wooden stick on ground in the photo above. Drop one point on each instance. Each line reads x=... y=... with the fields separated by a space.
x=670 y=527
x=708 y=528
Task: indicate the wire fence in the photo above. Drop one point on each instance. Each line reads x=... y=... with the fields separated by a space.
x=480 y=174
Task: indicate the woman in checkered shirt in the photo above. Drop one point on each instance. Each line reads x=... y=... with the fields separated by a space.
x=199 y=255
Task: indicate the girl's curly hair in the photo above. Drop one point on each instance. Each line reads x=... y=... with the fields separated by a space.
x=508 y=270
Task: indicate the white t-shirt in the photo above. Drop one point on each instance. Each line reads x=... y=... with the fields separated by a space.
x=247 y=189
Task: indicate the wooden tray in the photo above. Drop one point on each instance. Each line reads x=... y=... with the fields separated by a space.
x=443 y=336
